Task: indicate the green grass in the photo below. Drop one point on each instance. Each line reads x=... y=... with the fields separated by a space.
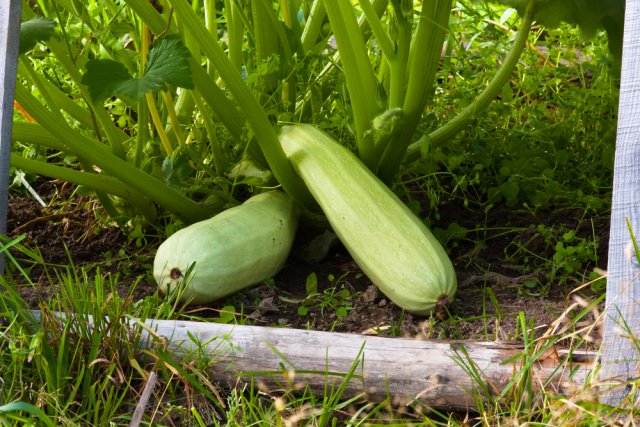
x=88 y=367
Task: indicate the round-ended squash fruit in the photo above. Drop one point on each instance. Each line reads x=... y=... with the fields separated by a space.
x=389 y=243
x=233 y=250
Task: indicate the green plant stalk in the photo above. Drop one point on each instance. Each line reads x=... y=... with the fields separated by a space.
x=173 y=118
x=270 y=33
x=424 y=57
x=97 y=182
x=142 y=129
x=398 y=64
x=264 y=132
x=115 y=136
x=97 y=154
x=379 y=6
x=38 y=82
x=382 y=37
x=33 y=133
x=425 y=53
x=218 y=159
x=62 y=100
x=158 y=124
x=288 y=11
x=286 y=76
x=235 y=33
x=212 y=27
x=361 y=80
x=227 y=112
x=184 y=106
x=313 y=26
x=224 y=109
x=482 y=101
x=266 y=45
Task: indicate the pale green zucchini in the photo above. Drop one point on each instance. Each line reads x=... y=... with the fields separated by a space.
x=387 y=241
x=233 y=250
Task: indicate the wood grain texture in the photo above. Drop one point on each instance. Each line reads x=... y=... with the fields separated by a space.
x=404 y=369
x=9 y=47
x=620 y=357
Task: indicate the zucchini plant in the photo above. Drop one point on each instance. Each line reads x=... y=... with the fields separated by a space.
x=255 y=77
x=203 y=89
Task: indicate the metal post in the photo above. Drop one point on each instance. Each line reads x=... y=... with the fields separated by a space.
x=9 y=48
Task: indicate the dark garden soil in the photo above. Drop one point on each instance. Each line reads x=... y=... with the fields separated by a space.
x=491 y=291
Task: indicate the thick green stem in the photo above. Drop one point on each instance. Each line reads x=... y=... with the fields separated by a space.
x=424 y=58
x=365 y=29
x=262 y=128
x=266 y=46
x=382 y=38
x=98 y=155
x=360 y=77
x=94 y=181
x=235 y=33
x=210 y=23
x=33 y=133
x=227 y=112
x=482 y=101
x=143 y=134
x=289 y=15
x=173 y=117
x=65 y=102
x=39 y=83
x=218 y=159
x=313 y=26
x=398 y=64
x=425 y=53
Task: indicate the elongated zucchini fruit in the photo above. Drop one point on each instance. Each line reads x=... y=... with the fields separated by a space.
x=387 y=241
x=229 y=252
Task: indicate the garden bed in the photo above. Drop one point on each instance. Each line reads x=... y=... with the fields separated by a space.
x=492 y=291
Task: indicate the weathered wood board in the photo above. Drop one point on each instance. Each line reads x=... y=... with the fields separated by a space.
x=402 y=369
x=9 y=47
x=620 y=356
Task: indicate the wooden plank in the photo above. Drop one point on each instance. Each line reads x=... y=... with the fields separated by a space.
x=620 y=356
x=403 y=369
x=9 y=48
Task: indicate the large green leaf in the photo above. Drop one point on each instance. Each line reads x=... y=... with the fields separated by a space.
x=588 y=15
x=34 y=31
x=167 y=66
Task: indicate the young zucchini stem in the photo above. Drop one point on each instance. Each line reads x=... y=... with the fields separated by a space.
x=482 y=101
x=424 y=59
x=313 y=27
x=97 y=182
x=362 y=83
x=259 y=122
x=97 y=154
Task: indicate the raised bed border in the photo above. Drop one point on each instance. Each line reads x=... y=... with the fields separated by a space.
x=620 y=355
x=449 y=375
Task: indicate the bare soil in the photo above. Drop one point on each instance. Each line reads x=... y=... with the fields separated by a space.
x=71 y=232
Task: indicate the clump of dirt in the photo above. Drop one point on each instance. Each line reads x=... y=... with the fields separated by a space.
x=491 y=292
